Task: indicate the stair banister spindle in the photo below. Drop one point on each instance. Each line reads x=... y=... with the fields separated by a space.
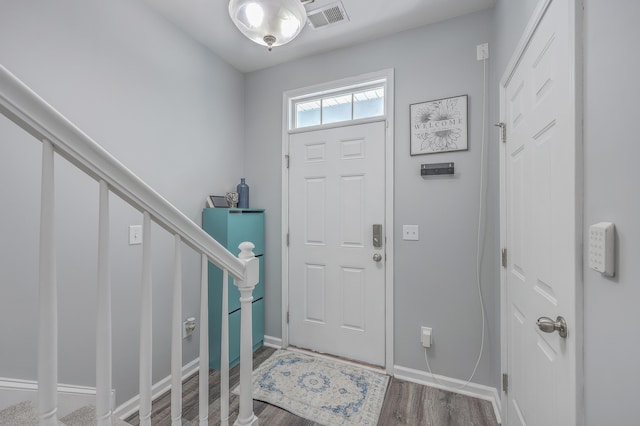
x=103 y=320
x=47 y=298
x=176 y=338
x=224 y=352
x=246 y=417
x=145 y=325
x=204 y=343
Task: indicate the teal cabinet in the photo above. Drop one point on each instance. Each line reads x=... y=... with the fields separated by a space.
x=230 y=227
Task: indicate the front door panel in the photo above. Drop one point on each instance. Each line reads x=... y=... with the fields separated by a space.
x=336 y=288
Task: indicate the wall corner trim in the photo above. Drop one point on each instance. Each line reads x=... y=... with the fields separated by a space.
x=131 y=406
x=450 y=384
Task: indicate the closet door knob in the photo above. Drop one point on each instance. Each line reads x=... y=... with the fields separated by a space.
x=549 y=326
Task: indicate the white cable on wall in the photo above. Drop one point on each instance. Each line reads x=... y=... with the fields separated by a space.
x=478 y=242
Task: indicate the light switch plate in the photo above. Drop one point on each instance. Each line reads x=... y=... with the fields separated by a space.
x=135 y=234
x=601 y=248
x=410 y=232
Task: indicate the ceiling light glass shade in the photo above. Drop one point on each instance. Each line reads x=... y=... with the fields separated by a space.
x=268 y=22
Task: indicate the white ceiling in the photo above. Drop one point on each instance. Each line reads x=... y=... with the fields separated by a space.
x=208 y=22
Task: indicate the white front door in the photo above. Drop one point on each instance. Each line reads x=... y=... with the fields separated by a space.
x=540 y=184
x=336 y=196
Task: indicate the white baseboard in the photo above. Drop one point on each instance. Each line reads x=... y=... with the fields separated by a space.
x=273 y=342
x=131 y=406
x=450 y=384
x=70 y=397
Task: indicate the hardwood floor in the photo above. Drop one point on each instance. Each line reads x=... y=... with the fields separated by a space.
x=405 y=404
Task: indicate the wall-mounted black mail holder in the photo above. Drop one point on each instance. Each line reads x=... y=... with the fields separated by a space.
x=436 y=169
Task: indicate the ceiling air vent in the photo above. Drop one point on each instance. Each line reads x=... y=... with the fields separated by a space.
x=327 y=15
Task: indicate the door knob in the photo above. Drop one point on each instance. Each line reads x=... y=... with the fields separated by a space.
x=549 y=326
x=377 y=257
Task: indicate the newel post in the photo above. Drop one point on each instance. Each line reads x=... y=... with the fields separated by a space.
x=246 y=286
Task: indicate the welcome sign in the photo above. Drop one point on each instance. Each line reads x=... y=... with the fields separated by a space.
x=439 y=126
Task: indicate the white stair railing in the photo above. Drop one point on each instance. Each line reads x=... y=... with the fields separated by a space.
x=47 y=297
x=203 y=380
x=146 y=344
x=103 y=323
x=58 y=135
x=176 y=338
x=246 y=286
x=224 y=355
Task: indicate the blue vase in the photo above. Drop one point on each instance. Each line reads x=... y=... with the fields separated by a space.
x=243 y=194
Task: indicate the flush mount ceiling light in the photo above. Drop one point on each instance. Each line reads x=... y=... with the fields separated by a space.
x=268 y=22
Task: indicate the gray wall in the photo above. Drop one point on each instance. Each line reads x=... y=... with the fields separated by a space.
x=611 y=89
x=169 y=110
x=611 y=177
x=434 y=278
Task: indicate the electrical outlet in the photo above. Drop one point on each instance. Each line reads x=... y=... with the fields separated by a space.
x=188 y=327
x=425 y=336
x=482 y=51
x=410 y=232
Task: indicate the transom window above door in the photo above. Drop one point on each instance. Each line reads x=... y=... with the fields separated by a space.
x=347 y=104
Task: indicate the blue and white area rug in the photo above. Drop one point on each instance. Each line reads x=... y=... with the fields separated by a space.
x=324 y=391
